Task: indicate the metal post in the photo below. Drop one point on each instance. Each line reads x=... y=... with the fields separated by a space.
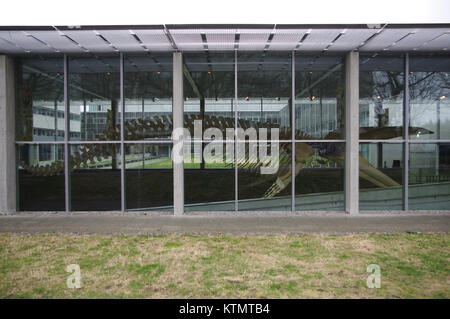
x=66 y=135
x=236 y=198
x=202 y=116
x=55 y=150
x=406 y=134
x=438 y=136
x=293 y=132
x=352 y=133
x=84 y=128
x=178 y=109
x=122 y=135
x=143 y=146
x=261 y=112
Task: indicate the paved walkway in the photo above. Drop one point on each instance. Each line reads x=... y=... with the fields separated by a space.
x=254 y=223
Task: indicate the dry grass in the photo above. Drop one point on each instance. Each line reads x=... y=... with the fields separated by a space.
x=277 y=266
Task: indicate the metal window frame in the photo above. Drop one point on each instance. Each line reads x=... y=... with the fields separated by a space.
x=67 y=190
x=122 y=135
x=67 y=142
x=293 y=132
x=406 y=133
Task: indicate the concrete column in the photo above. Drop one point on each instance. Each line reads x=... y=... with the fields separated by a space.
x=352 y=133
x=7 y=133
x=178 y=110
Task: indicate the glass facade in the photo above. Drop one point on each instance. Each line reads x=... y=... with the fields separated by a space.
x=429 y=176
x=40 y=177
x=94 y=177
x=381 y=108
x=40 y=99
x=209 y=115
x=429 y=96
x=319 y=181
x=380 y=176
x=303 y=170
x=148 y=96
x=94 y=94
x=319 y=97
x=381 y=89
x=264 y=90
x=429 y=161
x=148 y=176
x=264 y=102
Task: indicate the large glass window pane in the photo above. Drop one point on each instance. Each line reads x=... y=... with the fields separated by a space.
x=41 y=177
x=381 y=86
x=148 y=96
x=429 y=176
x=380 y=176
x=429 y=96
x=319 y=180
x=264 y=90
x=95 y=177
x=209 y=180
x=264 y=182
x=149 y=177
x=209 y=91
x=39 y=99
x=319 y=97
x=94 y=96
x=209 y=95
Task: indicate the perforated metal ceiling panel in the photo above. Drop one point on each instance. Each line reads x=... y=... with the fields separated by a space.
x=435 y=41
x=89 y=40
x=188 y=40
x=351 y=38
x=319 y=39
x=154 y=40
x=286 y=39
x=8 y=47
x=255 y=39
x=408 y=40
x=57 y=41
x=220 y=39
x=122 y=40
x=25 y=43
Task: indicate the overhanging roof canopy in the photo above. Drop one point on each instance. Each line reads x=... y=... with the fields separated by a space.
x=302 y=38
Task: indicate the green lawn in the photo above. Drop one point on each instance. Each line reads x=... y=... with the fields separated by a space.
x=276 y=266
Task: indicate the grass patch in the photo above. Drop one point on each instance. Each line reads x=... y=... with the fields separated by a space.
x=188 y=266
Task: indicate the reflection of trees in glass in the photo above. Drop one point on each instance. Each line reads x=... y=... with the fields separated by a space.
x=427 y=89
x=381 y=87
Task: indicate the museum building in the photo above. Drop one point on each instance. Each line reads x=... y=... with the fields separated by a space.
x=361 y=115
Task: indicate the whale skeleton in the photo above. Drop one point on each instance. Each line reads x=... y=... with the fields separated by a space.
x=160 y=126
